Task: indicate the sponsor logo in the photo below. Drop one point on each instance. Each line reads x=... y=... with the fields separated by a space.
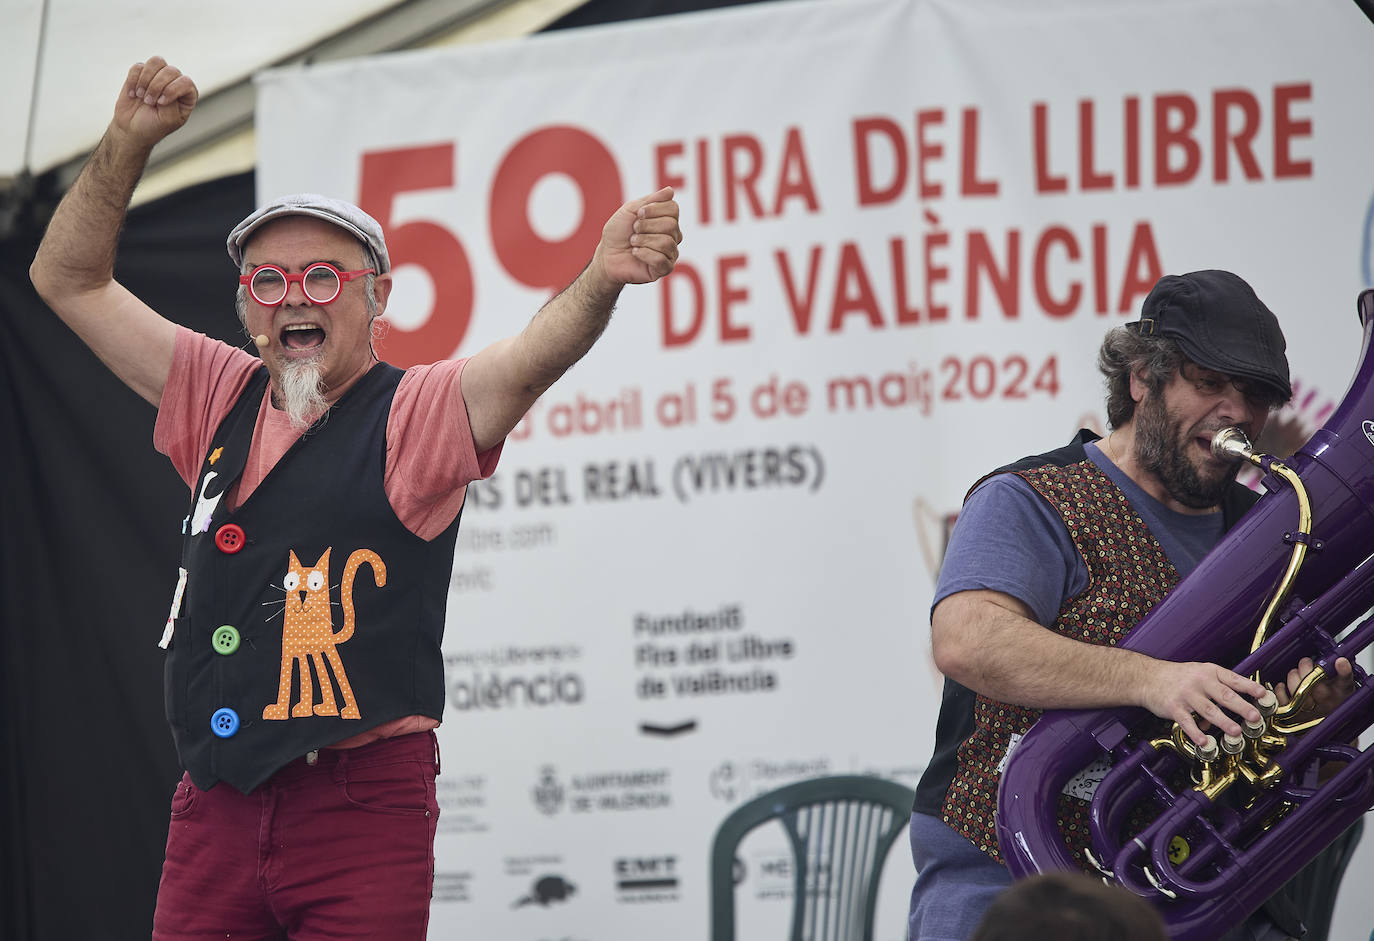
x=727 y=617
x=703 y=655
x=909 y=775
x=452 y=887
x=514 y=677
x=725 y=781
x=1369 y=431
x=646 y=878
x=733 y=781
x=636 y=789
x=525 y=866
x=548 y=793
x=773 y=876
x=668 y=731
x=462 y=803
x=504 y=691
x=547 y=890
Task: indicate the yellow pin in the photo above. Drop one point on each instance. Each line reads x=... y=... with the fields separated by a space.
x=214 y=455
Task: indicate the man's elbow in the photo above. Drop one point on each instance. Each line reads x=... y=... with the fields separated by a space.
x=40 y=279
x=953 y=657
x=954 y=661
x=51 y=283
x=70 y=293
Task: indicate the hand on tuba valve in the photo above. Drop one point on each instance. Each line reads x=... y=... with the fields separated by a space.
x=1201 y=696
x=1324 y=694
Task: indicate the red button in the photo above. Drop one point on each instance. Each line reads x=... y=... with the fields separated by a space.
x=229 y=538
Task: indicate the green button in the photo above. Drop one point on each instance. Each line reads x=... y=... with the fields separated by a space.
x=226 y=640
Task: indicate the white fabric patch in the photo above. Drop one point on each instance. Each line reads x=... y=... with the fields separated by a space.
x=205 y=508
x=175 y=612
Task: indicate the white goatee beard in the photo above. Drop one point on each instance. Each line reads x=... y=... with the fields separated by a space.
x=301 y=392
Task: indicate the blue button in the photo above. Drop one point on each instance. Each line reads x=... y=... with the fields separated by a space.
x=224 y=723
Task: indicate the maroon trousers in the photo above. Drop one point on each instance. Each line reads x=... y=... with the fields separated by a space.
x=340 y=845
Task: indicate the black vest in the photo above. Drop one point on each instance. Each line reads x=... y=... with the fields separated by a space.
x=257 y=674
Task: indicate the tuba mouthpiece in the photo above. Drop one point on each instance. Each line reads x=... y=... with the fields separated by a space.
x=1230 y=444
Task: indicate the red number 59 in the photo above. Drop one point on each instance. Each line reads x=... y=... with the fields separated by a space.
x=523 y=253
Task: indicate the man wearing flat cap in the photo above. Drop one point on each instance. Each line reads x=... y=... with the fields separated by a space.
x=304 y=675
x=1056 y=557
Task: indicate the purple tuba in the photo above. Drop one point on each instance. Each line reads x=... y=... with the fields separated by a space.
x=1294 y=578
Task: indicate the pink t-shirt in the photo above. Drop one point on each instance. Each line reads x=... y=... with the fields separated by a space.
x=426 y=474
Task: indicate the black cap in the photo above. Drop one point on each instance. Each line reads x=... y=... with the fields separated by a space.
x=1219 y=323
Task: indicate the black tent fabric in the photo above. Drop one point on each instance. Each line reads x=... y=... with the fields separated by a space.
x=92 y=517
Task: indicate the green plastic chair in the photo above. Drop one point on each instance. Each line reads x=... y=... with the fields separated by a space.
x=843 y=826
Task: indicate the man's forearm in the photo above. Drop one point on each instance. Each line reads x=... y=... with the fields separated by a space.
x=639 y=244
x=1058 y=672
x=988 y=642
x=73 y=269
x=1010 y=658
x=78 y=250
x=567 y=326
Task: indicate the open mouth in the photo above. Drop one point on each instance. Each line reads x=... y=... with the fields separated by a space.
x=1204 y=442
x=302 y=336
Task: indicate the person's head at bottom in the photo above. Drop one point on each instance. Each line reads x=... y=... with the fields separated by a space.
x=1068 y=906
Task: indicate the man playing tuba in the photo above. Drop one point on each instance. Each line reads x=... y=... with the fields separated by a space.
x=1054 y=559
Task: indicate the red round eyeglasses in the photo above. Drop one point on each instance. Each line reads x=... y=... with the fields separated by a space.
x=321 y=282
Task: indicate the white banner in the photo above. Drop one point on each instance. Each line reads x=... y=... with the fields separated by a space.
x=704 y=567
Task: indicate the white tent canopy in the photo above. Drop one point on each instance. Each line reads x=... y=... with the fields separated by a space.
x=67 y=57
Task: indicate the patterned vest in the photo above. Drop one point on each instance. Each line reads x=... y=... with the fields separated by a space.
x=1128 y=574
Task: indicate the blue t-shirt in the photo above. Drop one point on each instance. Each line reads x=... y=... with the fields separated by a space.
x=1009 y=539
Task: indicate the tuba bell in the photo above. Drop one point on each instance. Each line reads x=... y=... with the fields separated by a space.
x=1234 y=820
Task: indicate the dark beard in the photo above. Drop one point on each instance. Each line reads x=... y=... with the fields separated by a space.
x=1162 y=449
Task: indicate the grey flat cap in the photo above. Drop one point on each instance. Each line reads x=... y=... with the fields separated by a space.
x=346 y=216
